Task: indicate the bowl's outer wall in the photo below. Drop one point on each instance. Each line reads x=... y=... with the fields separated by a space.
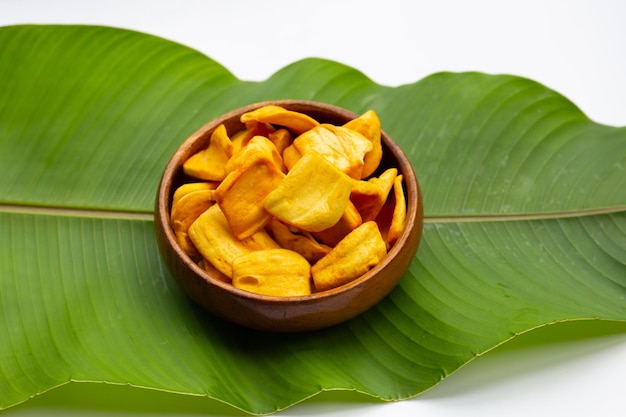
x=274 y=313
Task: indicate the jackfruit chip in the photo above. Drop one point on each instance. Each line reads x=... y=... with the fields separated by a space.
x=368 y=124
x=342 y=147
x=275 y=272
x=392 y=217
x=281 y=138
x=238 y=140
x=349 y=220
x=354 y=255
x=398 y=221
x=295 y=121
x=369 y=196
x=297 y=240
x=258 y=148
x=312 y=196
x=290 y=156
x=208 y=164
x=190 y=187
x=241 y=194
x=211 y=235
x=185 y=211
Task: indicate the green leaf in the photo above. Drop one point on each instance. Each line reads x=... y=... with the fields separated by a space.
x=524 y=202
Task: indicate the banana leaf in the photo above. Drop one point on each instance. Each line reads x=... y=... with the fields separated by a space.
x=525 y=223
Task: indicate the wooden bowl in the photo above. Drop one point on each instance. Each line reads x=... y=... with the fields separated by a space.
x=290 y=314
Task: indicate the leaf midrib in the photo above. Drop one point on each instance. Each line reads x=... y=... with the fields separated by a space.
x=149 y=216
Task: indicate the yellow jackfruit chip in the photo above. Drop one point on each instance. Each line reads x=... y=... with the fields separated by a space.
x=342 y=147
x=185 y=211
x=209 y=163
x=356 y=254
x=190 y=187
x=276 y=272
x=312 y=196
x=349 y=220
x=211 y=235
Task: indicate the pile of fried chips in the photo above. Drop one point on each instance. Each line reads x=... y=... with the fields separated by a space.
x=289 y=206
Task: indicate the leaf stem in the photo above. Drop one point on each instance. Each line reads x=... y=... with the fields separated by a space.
x=148 y=215
x=522 y=217
x=76 y=212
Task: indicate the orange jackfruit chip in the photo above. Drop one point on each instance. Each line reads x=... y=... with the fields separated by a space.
x=312 y=196
x=356 y=254
x=369 y=196
x=392 y=217
x=281 y=138
x=259 y=147
x=276 y=272
x=209 y=163
x=298 y=241
x=276 y=115
x=290 y=156
x=241 y=138
x=238 y=140
x=368 y=124
x=241 y=194
x=398 y=221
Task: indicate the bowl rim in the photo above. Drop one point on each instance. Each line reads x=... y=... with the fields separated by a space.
x=165 y=192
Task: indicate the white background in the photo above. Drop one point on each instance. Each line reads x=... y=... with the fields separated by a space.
x=577 y=48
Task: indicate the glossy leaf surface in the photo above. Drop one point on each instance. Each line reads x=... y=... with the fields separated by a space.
x=524 y=202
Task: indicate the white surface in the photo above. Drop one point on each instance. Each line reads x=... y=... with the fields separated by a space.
x=575 y=47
